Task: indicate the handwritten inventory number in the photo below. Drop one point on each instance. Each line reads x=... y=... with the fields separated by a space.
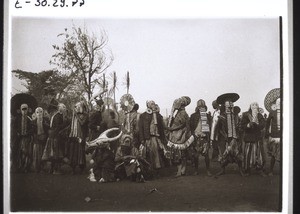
x=55 y=3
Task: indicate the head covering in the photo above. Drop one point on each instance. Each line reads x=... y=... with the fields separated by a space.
x=215 y=104
x=236 y=110
x=135 y=107
x=126 y=140
x=99 y=102
x=150 y=104
x=24 y=106
x=254 y=112
x=52 y=105
x=261 y=110
x=19 y=99
x=271 y=98
x=39 y=112
x=201 y=103
x=185 y=101
x=227 y=97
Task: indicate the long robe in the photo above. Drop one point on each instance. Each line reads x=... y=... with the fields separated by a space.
x=253 y=152
x=39 y=142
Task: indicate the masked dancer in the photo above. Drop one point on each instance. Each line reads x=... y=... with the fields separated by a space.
x=228 y=129
x=179 y=134
x=273 y=126
x=41 y=126
x=199 y=124
x=54 y=149
x=252 y=124
x=77 y=136
x=152 y=136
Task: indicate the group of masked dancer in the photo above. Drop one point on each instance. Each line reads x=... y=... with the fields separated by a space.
x=141 y=144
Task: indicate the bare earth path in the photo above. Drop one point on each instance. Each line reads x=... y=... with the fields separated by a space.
x=230 y=192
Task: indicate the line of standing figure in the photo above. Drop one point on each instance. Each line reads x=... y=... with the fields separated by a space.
x=147 y=142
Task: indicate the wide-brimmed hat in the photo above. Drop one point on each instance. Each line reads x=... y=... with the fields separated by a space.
x=227 y=97
x=19 y=99
x=271 y=98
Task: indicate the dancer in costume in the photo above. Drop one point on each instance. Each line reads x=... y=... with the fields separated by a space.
x=131 y=118
x=152 y=136
x=179 y=134
x=252 y=124
x=273 y=126
x=199 y=124
x=77 y=136
x=129 y=161
x=25 y=139
x=214 y=134
x=41 y=126
x=227 y=128
x=54 y=148
x=95 y=121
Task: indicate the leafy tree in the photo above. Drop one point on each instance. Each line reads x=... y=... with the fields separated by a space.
x=45 y=85
x=83 y=57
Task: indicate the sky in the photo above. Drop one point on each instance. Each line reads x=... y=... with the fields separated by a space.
x=168 y=58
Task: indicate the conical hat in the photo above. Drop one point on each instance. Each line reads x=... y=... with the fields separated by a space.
x=19 y=99
x=227 y=97
x=271 y=97
x=127 y=102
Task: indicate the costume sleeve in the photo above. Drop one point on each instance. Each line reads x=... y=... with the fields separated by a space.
x=162 y=128
x=244 y=122
x=141 y=128
x=184 y=121
x=192 y=122
x=261 y=122
x=268 y=124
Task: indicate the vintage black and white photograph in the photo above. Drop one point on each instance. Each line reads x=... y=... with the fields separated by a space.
x=146 y=115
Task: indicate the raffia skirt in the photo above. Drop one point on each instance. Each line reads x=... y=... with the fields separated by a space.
x=53 y=149
x=153 y=146
x=253 y=155
x=274 y=148
x=76 y=152
x=38 y=149
x=25 y=152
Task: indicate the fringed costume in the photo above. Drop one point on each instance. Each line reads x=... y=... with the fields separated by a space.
x=199 y=124
x=228 y=132
x=77 y=136
x=25 y=139
x=152 y=136
x=253 y=123
x=179 y=137
x=41 y=126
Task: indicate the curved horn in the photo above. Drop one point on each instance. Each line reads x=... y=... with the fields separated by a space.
x=103 y=138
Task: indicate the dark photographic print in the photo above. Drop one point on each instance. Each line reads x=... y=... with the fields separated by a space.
x=139 y=115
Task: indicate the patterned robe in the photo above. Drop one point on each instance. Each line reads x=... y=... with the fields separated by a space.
x=253 y=151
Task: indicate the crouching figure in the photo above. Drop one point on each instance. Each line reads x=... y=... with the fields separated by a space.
x=102 y=157
x=129 y=162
